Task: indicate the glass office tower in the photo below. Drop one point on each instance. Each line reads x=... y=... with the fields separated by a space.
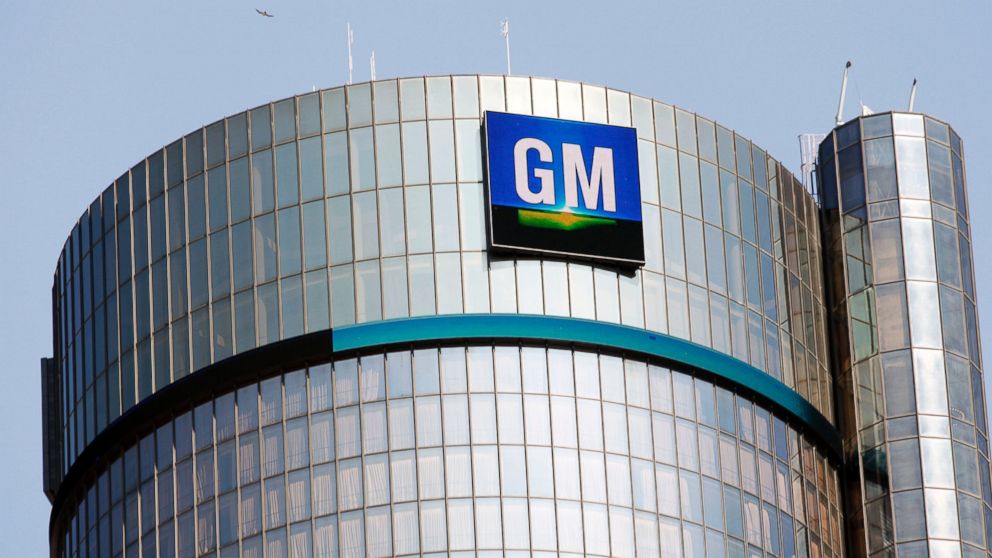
x=284 y=335
x=908 y=360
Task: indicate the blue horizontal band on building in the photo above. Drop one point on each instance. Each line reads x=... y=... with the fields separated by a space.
x=610 y=337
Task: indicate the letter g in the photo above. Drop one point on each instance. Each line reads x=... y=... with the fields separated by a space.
x=546 y=195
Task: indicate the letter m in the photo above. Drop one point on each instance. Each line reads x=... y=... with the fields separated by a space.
x=601 y=175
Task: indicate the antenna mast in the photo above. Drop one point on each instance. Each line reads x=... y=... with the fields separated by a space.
x=843 y=91
x=372 y=63
x=808 y=146
x=351 y=39
x=504 y=28
x=912 y=96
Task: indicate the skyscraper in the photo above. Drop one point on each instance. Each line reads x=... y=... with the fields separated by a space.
x=509 y=316
x=907 y=356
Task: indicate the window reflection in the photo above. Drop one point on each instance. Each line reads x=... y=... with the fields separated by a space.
x=412 y=98
x=387 y=155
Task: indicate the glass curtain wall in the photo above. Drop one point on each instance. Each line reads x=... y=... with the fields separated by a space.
x=906 y=337
x=465 y=451
x=365 y=202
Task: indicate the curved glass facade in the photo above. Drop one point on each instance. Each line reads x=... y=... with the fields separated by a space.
x=366 y=202
x=231 y=377
x=465 y=451
x=906 y=337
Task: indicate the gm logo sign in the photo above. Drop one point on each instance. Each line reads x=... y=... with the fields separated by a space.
x=563 y=187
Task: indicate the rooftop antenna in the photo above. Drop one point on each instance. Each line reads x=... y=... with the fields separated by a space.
x=504 y=29
x=372 y=63
x=912 y=96
x=843 y=91
x=351 y=39
x=808 y=147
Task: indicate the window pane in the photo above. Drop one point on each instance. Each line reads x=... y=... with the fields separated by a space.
x=311 y=169
x=392 y=222
x=386 y=105
x=366 y=225
x=412 y=98
x=334 y=115
x=886 y=251
x=265 y=248
x=336 y=163
x=289 y=241
x=923 y=309
x=912 y=167
x=315 y=239
x=442 y=151
x=217 y=192
x=359 y=105
x=880 y=166
x=415 y=153
x=894 y=330
x=948 y=264
x=445 y=217
x=387 y=142
x=362 y=159
x=263 y=196
x=287 y=175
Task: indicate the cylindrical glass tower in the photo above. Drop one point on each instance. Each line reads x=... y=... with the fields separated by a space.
x=284 y=335
x=908 y=358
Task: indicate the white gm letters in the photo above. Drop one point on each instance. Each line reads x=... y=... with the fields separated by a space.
x=599 y=179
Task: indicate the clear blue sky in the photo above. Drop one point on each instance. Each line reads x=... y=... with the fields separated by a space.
x=88 y=88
